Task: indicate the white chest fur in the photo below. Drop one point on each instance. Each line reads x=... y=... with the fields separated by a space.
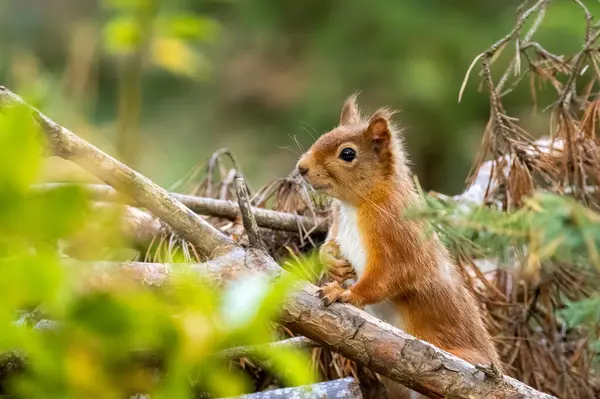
x=349 y=240
x=353 y=249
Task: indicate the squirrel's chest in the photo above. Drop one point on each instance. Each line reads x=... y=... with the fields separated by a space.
x=353 y=249
x=349 y=239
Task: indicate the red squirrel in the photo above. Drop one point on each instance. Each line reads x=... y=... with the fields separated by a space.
x=405 y=276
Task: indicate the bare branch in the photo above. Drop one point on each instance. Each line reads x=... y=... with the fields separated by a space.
x=266 y=218
x=68 y=145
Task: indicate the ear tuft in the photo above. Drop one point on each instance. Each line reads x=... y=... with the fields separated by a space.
x=350 y=111
x=384 y=113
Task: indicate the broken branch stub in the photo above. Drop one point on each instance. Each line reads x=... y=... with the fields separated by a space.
x=248 y=219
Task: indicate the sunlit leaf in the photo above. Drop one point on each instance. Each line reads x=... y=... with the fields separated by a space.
x=122 y=34
x=178 y=57
x=20 y=150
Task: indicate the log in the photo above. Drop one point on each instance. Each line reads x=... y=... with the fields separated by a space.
x=265 y=218
x=344 y=388
x=341 y=327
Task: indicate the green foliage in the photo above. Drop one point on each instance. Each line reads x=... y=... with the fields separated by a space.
x=549 y=226
x=114 y=337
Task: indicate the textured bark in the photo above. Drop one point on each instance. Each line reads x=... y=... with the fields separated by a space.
x=345 y=388
x=266 y=218
x=341 y=327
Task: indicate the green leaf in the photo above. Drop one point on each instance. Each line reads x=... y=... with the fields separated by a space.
x=127 y=5
x=178 y=57
x=188 y=26
x=122 y=34
x=292 y=365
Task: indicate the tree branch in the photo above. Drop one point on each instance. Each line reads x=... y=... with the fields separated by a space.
x=266 y=218
x=248 y=219
x=344 y=328
x=157 y=200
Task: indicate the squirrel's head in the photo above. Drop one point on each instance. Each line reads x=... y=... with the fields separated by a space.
x=356 y=157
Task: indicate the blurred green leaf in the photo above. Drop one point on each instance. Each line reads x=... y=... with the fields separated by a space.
x=178 y=57
x=127 y=5
x=290 y=365
x=188 y=26
x=122 y=34
x=585 y=312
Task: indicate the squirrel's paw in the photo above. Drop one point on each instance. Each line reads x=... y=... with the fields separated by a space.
x=338 y=268
x=333 y=292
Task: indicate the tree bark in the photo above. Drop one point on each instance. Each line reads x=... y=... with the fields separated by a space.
x=344 y=328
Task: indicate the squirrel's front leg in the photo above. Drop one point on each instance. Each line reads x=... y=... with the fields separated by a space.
x=338 y=268
x=369 y=289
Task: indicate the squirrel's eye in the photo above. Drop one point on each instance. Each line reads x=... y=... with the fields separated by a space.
x=347 y=154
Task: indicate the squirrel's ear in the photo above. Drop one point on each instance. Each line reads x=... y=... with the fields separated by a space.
x=350 y=112
x=379 y=129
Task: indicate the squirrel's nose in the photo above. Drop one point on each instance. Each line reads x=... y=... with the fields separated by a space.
x=302 y=170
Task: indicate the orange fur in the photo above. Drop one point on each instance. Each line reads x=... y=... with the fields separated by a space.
x=403 y=265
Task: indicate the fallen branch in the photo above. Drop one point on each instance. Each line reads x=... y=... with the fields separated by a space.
x=345 y=388
x=346 y=329
x=211 y=207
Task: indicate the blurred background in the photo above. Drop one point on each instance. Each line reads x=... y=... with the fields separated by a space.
x=162 y=84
